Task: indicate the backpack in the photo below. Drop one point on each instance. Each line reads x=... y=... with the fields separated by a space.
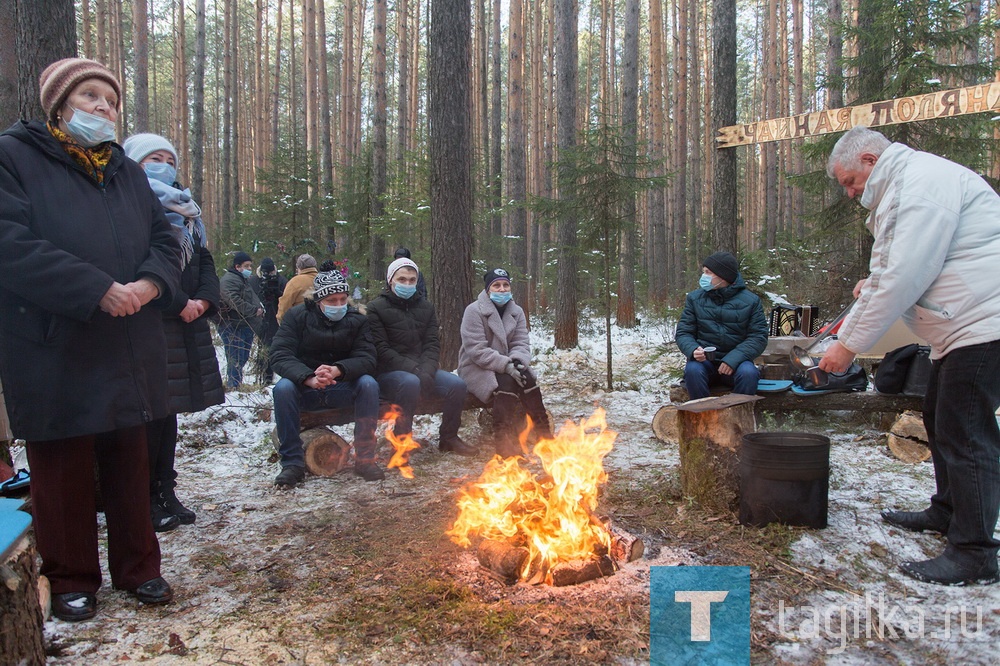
x=853 y=379
x=904 y=370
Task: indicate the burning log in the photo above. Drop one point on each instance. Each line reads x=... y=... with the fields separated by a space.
x=580 y=571
x=503 y=559
x=625 y=547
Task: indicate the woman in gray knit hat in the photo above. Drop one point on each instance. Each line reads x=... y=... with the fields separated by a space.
x=193 y=371
x=89 y=260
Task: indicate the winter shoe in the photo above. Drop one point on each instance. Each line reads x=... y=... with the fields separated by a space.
x=914 y=521
x=173 y=505
x=456 y=445
x=289 y=477
x=74 y=606
x=369 y=471
x=163 y=520
x=154 y=592
x=944 y=571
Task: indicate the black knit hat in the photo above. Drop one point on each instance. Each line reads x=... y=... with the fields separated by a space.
x=241 y=257
x=724 y=265
x=266 y=265
x=494 y=275
x=327 y=283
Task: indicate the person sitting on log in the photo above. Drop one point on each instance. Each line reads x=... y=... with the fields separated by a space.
x=405 y=329
x=722 y=330
x=324 y=352
x=495 y=362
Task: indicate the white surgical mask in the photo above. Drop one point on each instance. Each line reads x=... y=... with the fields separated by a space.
x=246 y=272
x=88 y=129
x=705 y=282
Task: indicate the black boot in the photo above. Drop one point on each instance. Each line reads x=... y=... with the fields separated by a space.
x=163 y=520
x=915 y=521
x=173 y=505
x=944 y=570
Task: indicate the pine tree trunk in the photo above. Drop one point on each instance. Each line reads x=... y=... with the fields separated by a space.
x=198 y=104
x=566 y=328
x=451 y=169
x=46 y=32
x=380 y=142
x=140 y=65
x=517 y=154
x=625 y=315
x=724 y=213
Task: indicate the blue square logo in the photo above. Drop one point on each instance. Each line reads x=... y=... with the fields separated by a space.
x=699 y=615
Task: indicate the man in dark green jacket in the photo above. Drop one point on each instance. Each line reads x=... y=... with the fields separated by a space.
x=722 y=330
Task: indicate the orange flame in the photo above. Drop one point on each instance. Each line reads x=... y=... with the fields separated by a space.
x=552 y=514
x=401 y=445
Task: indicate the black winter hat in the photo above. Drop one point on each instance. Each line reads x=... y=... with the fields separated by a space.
x=494 y=275
x=241 y=257
x=724 y=265
x=267 y=265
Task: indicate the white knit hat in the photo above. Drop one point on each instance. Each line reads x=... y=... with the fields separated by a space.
x=139 y=146
x=402 y=262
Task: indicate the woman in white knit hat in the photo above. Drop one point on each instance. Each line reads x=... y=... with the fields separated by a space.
x=194 y=382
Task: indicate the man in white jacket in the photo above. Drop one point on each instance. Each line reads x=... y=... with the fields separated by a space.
x=937 y=248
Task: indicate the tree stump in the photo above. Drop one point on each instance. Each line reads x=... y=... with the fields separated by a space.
x=21 y=627
x=711 y=434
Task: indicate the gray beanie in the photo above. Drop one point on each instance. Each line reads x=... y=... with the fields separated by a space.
x=139 y=146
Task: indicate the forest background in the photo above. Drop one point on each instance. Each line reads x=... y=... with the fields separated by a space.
x=573 y=142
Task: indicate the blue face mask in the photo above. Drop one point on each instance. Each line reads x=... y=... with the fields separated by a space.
x=404 y=291
x=501 y=297
x=705 y=282
x=246 y=272
x=334 y=312
x=161 y=171
x=88 y=129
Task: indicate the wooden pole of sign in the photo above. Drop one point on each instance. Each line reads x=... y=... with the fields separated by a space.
x=983 y=98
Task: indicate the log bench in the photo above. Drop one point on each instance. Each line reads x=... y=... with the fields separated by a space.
x=327 y=453
x=20 y=604
x=869 y=401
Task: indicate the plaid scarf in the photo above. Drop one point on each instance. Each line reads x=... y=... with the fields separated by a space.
x=92 y=160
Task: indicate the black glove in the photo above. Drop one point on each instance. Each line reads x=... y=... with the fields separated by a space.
x=427 y=385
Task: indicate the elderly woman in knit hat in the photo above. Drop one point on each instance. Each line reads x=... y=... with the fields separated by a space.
x=405 y=329
x=721 y=330
x=89 y=260
x=495 y=362
x=324 y=353
x=193 y=371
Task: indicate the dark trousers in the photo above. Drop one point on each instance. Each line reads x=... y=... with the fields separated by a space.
x=506 y=422
x=65 y=515
x=404 y=389
x=237 y=339
x=290 y=401
x=161 y=444
x=963 y=395
x=700 y=376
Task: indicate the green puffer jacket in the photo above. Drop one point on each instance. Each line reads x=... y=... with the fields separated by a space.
x=731 y=319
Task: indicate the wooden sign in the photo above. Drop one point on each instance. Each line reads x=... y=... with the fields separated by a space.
x=946 y=103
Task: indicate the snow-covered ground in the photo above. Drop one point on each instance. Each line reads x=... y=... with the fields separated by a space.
x=247 y=529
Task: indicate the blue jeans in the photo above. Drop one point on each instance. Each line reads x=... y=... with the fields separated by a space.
x=290 y=401
x=403 y=388
x=963 y=394
x=700 y=375
x=237 y=339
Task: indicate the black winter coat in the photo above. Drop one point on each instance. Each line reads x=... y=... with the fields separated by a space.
x=405 y=333
x=194 y=382
x=307 y=339
x=268 y=289
x=68 y=368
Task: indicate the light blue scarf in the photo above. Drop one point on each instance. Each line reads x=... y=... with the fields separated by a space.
x=185 y=215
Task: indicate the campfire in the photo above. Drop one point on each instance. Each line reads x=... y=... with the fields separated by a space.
x=401 y=446
x=541 y=527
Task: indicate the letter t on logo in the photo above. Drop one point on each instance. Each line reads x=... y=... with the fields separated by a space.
x=701 y=610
